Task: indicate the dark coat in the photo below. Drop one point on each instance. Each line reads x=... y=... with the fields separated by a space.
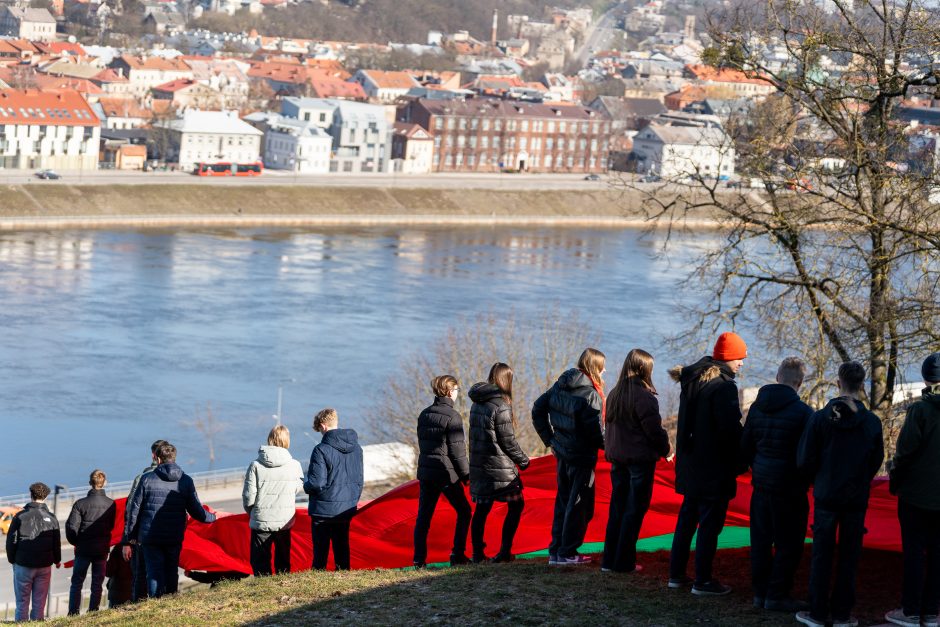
x=917 y=458
x=494 y=452
x=33 y=540
x=335 y=475
x=709 y=431
x=775 y=424
x=160 y=504
x=568 y=418
x=442 y=457
x=90 y=523
x=637 y=436
x=841 y=451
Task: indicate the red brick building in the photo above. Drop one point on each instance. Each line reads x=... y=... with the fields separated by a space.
x=489 y=135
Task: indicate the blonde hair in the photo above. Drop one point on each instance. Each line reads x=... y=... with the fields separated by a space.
x=279 y=436
x=443 y=385
x=97 y=479
x=592 y=362
x=325 y=418
x=791 y=372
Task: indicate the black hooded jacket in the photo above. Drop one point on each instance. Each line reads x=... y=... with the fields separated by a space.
x=841 y=451
x=33 y=538
x=709 y=431
x=917 y=458
x=494 y=452
x=442 y=457
x=775 y=423
x=568 y=418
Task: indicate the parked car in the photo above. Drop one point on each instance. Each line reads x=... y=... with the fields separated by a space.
x=6 y=517
x=592 y=177
x=48 y=175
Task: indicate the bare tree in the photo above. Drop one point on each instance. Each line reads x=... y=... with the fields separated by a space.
x=538 y=351
x=209 y=427
x=837 y=256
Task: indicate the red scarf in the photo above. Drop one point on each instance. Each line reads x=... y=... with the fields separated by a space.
x=600 y=392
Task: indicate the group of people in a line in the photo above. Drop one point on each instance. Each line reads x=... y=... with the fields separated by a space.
x=788 y=447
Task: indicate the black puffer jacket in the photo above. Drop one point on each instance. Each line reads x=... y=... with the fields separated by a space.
x=33 y=539
x=494 y=452
x=568 y=418
x=775 y=423
x=160 y=504
x=841 y=451
x=709 y=431
x=442 y=457
x=90 y=523
x=917 y=457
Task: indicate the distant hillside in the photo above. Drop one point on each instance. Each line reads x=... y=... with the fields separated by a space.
x=382 y=21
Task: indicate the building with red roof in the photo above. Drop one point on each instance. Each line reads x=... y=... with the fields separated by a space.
x=42 y=129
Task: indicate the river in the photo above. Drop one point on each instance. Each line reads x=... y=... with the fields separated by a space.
x=114 y=339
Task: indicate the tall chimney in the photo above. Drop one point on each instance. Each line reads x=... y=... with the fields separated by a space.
x=495 y=26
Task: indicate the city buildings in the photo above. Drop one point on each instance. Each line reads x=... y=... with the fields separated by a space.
x=207 y=137
x=296 y=145
x=27 y=23
x=680 y=151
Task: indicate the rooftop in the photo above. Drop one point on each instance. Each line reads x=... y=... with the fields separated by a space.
x=491 y=107
x=60 y=108
x=390 y=80
x=213 y=122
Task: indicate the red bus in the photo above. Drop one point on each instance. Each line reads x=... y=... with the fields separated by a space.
x=228 y=169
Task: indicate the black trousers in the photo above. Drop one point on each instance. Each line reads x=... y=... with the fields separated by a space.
x=920 y=537
x=326 y=532
x=428 y=496
x=844 y=530
x=574 y=508
x=261 y=543
x=631 y=493
x=510 y=525
x=139 y=574
x=708 y=516
x=778 y=533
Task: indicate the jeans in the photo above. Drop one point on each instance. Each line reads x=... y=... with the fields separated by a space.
x=778 y=532
x=574 y=508
x=31 y=584
x=920 y=537
x=79 y=571
x=327 y=531
x=261 y=543
x=428 y=497
x=162 y=562
x=850 y=527
x=631 y=493
x=708 y=515
x=510 y=525
x=138 y=574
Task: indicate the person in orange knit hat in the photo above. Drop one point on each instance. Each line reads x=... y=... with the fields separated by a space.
x=707 y=460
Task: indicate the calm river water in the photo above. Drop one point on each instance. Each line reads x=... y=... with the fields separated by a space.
x=113 y=339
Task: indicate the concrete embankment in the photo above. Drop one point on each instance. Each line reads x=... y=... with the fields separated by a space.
x=28 y=207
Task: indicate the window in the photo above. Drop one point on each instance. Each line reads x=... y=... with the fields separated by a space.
x=548 y=161
x=551 y=127
x=449 y=160
x=486 y=124
x=451 y=123
x=438 y=123
x=462 y=125
x=459 y=159
x=524 y=126
x=323 y=117
x=461 y=140
x=523 y=143
x=474 y=124
x=471 y=161
x=549 y=143
x=485 y=142
x=511 y=125
x=562 y=127
x=497 y=125
x=473 y=141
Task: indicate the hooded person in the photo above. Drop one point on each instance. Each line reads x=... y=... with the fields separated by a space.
x=779 y=505
x=271 y=485
x=841 y=451
x=568 y=418
x=156 y=520
x=708 y=438
x=334 y=482
x=915 y=475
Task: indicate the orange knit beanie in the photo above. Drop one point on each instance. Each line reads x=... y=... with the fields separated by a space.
x=729 y=347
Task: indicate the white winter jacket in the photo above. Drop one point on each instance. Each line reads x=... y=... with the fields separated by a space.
x=271 y=485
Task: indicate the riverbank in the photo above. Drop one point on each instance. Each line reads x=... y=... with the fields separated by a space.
x=30 y=207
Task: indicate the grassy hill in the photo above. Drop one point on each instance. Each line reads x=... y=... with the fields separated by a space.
x=526 y=592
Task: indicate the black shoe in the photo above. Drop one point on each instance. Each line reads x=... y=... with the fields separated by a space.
x=479 y=558
x=458 y=559
x=791 y=606
x=713 y=588
x=679 y=582
x=502 y=558
x=420 y=565
x=759 y=603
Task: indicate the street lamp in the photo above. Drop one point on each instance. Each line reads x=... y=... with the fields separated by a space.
x=280 y=398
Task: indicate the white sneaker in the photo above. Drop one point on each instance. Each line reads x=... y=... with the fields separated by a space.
x=806 y=619
x=898 y=617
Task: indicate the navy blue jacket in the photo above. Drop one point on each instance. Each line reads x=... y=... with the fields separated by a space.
x=568 y=418
x=841 y=451
x=775 y=423
x=335 y=476
x=157 y=512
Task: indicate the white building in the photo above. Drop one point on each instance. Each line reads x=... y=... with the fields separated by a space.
x=297 y=146
x=385 y=87
x=412 y=149
x=23 y=23
x=360 y=131
x=211 y=137
x=679 y=152
x=56 y=130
